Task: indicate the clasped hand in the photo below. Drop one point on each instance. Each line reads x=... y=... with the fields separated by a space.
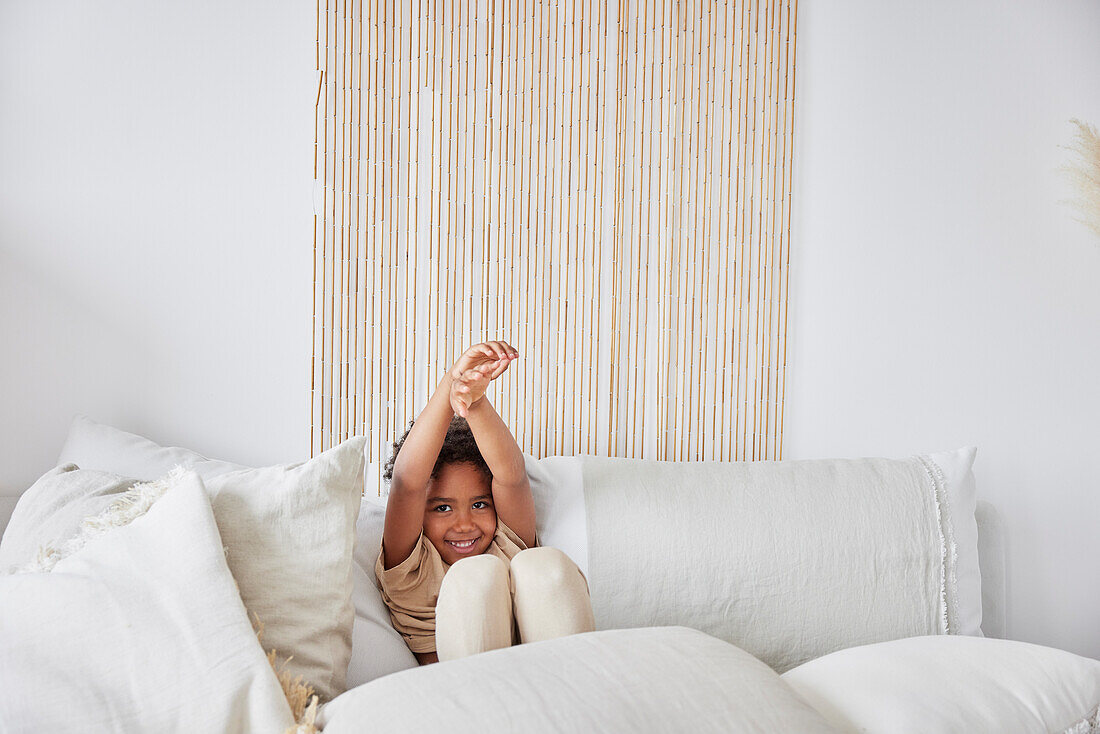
x=475 y=369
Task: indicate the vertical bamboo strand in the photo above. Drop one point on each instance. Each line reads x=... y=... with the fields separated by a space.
x=329 y=194
x=718 y=415
x=345 y=223
x=637 y=167
x=746 y=241
x=702 y=405
x=318 y=115
x=773 y=104
x=675 y=265
x=598 y=247
x=791 y=49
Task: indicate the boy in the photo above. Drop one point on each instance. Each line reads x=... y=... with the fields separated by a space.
x=459 y=493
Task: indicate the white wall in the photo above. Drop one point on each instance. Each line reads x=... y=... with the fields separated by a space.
x=155 y=225
x=941 y=294
x=155 y=257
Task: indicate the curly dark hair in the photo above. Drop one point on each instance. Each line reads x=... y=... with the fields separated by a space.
x=459 y=447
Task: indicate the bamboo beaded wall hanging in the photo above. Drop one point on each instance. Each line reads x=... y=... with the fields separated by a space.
x=607 y=186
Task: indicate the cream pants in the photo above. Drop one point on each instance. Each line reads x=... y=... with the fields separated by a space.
x=542 y=591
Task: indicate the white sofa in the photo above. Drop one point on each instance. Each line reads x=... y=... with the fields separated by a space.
x=802 y=596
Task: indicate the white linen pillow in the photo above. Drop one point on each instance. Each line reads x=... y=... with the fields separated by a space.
x=640 y=680
x=788 y=560
x=92 y=445
x=141 y=630
x=948 y=684
x=53 y=508
x=557 y=484
x=288 y=532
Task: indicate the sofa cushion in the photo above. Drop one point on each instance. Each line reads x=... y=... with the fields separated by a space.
x=788 y=560
x=640 y=680
x=947 y=684
x=138 y=628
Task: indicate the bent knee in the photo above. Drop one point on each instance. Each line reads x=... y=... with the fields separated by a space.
x=544 y=567
x=477 y=575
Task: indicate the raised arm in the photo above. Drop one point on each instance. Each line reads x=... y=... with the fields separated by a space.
x=511 y=490
x=411 y=471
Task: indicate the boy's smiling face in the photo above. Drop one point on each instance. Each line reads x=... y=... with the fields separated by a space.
x=459 y=518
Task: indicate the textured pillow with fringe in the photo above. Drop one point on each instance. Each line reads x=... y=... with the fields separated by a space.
x=135 y=625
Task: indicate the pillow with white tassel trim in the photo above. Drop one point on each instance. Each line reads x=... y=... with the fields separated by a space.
x=134 y=624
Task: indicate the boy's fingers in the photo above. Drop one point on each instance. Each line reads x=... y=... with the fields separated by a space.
x=467 y=378
x=485 y=349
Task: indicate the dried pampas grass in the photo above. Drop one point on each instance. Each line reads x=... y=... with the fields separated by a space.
x=1084 y=173
x=300 y=696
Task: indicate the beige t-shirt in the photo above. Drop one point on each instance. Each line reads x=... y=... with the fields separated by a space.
x=411 y=588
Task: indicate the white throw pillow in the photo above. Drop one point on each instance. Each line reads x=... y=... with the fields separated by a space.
x=51 y=511
x=92 y=445
x=789 y=560
x=668 y=679
x=949 y=685
x=557 y=484
x=288 y=532
x=141 y=630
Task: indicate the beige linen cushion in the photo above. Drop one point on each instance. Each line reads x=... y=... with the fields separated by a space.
x=288 y=533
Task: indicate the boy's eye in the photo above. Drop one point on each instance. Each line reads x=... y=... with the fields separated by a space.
x=480 y=505
x=441 y=508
